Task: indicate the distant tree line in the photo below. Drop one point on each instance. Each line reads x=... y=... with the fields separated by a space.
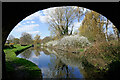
x=25 y=39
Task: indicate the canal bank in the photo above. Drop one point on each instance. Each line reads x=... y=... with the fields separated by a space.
x=18 y=67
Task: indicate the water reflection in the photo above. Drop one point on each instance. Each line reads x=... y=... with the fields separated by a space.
x=26 y=54
x=59 y=70
x=61 y=64
x=54 y=64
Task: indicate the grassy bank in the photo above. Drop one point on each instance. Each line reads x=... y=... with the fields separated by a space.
x=18 y=67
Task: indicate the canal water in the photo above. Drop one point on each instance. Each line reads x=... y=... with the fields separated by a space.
x=54 y=63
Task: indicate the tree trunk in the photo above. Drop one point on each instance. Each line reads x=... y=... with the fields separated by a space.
x=106 y=30
x=66 y=32
x=71 y=30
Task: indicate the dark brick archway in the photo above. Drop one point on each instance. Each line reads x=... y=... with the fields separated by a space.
x=13 y=13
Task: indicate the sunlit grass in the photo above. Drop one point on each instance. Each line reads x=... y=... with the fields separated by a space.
x=13 y=62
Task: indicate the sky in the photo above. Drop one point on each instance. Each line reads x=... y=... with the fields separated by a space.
x=33 y=24
x=36 y=23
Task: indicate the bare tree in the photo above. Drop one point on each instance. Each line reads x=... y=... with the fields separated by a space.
x=61 y=18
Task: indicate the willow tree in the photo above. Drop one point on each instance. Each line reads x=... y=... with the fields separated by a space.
x=61 y=19
x=91 y=27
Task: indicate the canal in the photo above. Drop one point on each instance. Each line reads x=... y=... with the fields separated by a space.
x=55 y=63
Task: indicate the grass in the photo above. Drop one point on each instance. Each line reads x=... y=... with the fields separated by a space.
x=23 y=66
x=81 y=50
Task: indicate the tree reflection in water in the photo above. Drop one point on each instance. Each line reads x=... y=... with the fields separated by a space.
x=54 y=63
x=26 y=54
x=59 y=66
x=57 y=69
x=37 y=50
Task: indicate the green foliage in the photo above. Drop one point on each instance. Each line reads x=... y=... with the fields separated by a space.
x=26 y=39
x=92 y=28
x=37 y=39
x=16 y=41
x=13 y=62
x=103 y=53
x=46 y=39
x=81 y=50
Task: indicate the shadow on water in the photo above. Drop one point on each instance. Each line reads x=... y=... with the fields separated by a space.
x=60 y=64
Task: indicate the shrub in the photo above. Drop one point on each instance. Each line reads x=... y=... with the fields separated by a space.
x=103 y=53
x=72 y=40
x=52 y=43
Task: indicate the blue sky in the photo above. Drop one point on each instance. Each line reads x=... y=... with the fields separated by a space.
x=36 y=23
x=33 y=25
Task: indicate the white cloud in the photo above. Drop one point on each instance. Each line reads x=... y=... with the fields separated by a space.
x=24 y=23
x=35 y=32
x=32 y=21
x=38 y=15
x=77 y=25
x=28 y=22
x=43 y=19
x=41 y=15
x=26 y=28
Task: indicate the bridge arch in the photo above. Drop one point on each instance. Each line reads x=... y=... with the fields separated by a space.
x=13 y=13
